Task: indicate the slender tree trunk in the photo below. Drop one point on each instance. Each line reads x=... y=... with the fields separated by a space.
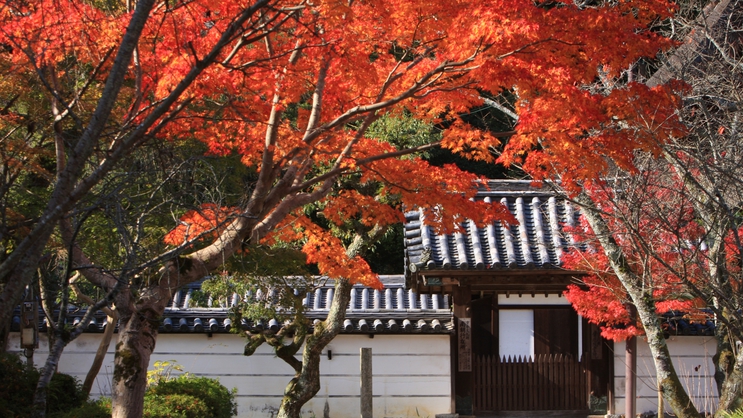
x=4 y=334
x=669 y=384
x=56 y=346
x=673 y=391
x=728 y=364
x=112 y=317
x=101 y=353
x=718 y=220
x=55 y=352
x=306 y=383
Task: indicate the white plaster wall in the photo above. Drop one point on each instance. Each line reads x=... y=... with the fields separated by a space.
x=412 y=376
x=692 y=358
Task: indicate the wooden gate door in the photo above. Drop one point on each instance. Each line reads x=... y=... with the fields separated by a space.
x=548 y=382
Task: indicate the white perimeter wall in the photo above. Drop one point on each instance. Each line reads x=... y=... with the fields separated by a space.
x=412 y=376
x=692 y=358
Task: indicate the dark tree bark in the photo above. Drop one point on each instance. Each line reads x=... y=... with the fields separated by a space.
x=137 y=336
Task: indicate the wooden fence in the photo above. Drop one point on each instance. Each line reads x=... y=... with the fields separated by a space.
x=549 y=382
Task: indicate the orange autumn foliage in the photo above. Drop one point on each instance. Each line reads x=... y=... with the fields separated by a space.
x=325 y=250
x=291 y=86
x=200 y=224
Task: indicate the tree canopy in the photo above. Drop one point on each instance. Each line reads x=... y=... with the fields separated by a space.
x=292 y=88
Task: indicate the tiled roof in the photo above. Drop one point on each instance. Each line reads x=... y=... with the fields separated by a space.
x=391 y=310
x=536 y=242
x=677 y=323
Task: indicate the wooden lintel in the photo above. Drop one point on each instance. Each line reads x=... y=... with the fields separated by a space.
x=541 y=281
x=489 y=273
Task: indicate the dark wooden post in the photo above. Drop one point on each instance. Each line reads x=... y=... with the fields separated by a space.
x=461 y=297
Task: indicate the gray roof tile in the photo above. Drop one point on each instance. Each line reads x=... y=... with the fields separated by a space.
x=536 y=241
x=391 y=310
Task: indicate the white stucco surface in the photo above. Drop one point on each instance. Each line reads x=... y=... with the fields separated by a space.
x=516 y=333
x=412 y=373
x=692 y=358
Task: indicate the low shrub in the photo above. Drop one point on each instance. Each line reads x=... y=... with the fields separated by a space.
x=175 y=406
x=218 y=399
x=186 y=396
x=64 y=393
x=96 y=409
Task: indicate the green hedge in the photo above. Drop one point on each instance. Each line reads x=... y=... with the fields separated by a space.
x=184 y=397
x=93 y=409
x=735 y=414
x=219 y=401
x=174 y=406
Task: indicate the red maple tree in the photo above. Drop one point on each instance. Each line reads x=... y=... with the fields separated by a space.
x=292 y=87
x=663 y=244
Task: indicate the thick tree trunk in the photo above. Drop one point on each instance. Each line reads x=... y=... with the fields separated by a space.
x=306 y=383
x=137 y=336
x=674 y=394
x=673 y=391
x=729 y=374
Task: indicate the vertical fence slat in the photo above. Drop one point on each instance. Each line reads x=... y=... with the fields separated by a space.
x=493 y=363
x=543 y=382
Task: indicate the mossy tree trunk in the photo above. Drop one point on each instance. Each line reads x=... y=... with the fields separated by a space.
x=673 y=392
x=139 y=320
x=729 y=374
x=306 y=383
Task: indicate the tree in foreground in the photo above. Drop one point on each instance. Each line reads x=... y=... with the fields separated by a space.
x=292 y=88
x=671 y=230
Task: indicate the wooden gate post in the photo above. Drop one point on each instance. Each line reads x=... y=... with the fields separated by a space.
x=462 y=350
x=366 y=383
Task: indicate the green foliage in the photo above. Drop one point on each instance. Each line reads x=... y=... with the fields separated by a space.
x=185 y=396
x=162 y=372
x=92 y=409
x=265 y=278
x=403 y=131
x=211 y=396
x=64 y=393
x=387 y=256
x=738 y=413
x=18 y=384
x=175 y=406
